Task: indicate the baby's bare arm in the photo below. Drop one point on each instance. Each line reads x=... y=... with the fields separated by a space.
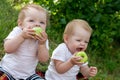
x=43 y=52
x=11 y=45
x=63 y=67
x=88 y=71
x=84 y=70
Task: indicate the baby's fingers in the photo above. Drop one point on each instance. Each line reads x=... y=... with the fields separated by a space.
x=93 y=71
x=92 y=74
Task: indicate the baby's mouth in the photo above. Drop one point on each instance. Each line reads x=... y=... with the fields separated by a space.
x=79 y=49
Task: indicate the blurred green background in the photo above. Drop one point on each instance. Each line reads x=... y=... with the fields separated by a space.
x=102 y=15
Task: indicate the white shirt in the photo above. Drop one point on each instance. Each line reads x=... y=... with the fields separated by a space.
x=23 y=62
x=63 y=54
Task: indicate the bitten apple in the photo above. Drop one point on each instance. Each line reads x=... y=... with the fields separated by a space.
x=37 y=30
x=83 y=55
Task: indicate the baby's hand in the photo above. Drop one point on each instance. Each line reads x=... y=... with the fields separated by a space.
x=42 y=37
x=92 y=71
x=28 y=33
x=75 y=60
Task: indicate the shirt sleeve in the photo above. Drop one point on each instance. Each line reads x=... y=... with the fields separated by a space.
x=13 y=33
x=85 y=64
x=59 y=53
x=47 y=44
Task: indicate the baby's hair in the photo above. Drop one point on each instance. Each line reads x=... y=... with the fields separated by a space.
x=22 y=14
x=77 y=23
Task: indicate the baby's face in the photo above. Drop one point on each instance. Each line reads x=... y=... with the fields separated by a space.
x=34 y=18
x=79 y=40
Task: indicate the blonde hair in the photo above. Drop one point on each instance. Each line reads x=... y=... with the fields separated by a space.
x=22 y=14
x=76 y=23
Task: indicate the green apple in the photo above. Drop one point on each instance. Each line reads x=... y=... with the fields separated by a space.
x=83 y=55
x=37 y=30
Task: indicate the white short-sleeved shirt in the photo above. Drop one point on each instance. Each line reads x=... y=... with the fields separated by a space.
x=22 y=63
x=63 y=54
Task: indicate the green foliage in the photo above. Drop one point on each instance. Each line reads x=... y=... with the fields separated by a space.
x=102 y=15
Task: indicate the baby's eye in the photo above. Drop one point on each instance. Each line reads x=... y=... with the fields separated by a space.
x=86 y=41
x=42 y=22
x=78 y=40
x=31 y=20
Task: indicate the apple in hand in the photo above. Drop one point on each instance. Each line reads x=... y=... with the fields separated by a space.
x=37 y=30
x=83 y=55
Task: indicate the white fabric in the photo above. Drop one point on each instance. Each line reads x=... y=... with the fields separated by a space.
x=22 y=63
x=63 y=54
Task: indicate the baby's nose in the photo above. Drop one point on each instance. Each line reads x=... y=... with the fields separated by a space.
x=37 y=24
x=82 y=43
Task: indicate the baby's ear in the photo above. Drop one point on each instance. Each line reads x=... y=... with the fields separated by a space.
x=65 y=38
x=19 y=22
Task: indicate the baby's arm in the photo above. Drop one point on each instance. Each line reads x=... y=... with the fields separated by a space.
x=11 y=45
x=88 y=71
x=43 y=52
x=63 y=67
